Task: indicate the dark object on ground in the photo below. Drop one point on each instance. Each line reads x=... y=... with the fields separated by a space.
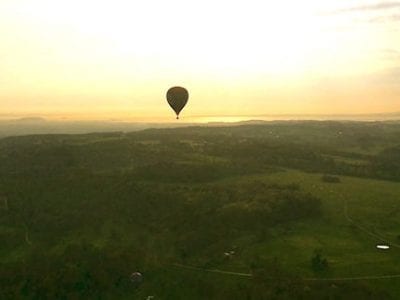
x=330 y=178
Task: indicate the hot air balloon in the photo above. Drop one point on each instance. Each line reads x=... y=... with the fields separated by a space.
x=177 y=98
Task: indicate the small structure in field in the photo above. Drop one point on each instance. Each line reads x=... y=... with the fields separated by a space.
x=383 y=247
x=229 y=254
x=136 y=277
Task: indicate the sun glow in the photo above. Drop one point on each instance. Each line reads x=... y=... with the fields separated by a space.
x=123 y=55
x=202 y=36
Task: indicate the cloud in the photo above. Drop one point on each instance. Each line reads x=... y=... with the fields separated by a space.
x=371 y=7
x=378 y=13
x=391 y=54
x=385 y=19
x=390 y=76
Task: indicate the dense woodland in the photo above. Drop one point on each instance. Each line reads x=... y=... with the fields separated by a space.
x=80 y=213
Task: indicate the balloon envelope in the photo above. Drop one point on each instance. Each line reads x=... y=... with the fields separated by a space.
x=177 y=98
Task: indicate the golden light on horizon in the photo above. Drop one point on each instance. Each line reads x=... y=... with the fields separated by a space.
x=256 y=56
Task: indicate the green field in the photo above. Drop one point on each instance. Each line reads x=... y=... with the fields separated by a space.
x=284 y=210
x=372 y=203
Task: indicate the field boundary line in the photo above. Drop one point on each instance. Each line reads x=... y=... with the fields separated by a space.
x=250 y=275
x=365 y=230
x=213 y=270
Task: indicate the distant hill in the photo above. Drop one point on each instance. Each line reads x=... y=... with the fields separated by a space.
x=30 y=120
x=37 y=125
x=40 y=125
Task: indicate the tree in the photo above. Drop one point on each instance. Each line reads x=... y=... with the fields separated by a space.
x=318 y=262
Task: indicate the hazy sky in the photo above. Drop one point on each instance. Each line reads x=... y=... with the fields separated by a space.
x=116 y=59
